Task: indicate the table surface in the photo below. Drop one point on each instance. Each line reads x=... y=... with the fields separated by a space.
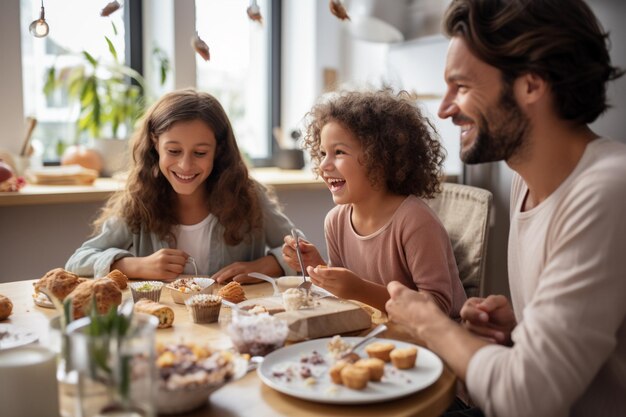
x=247 y=396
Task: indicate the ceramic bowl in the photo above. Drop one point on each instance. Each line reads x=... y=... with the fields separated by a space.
x=184 y=400
x=292 y=281
x=180 y=297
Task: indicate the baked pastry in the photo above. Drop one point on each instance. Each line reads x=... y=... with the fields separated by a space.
x=379 y=350
x=59 y=282
x=146 y=289
x=233 y=292
x=404 y=358
x=105 y=292
x=374 y=365
x=204 y=308
x=355 y=377
x=296 y=298
x=162 y=312
x=6 y=307
x=335 y=371
x=119 y=278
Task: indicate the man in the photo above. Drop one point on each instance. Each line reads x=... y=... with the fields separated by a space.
x=525 y=78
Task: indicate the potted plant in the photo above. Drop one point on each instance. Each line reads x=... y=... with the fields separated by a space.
x=110 y=97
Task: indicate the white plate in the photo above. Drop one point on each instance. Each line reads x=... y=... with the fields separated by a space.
x=395 y=384
x=13 y=336
x=42 y=301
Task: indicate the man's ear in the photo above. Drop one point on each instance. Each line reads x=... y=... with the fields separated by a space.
x=530 y=88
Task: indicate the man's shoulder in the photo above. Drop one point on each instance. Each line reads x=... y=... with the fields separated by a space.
x=604 y=167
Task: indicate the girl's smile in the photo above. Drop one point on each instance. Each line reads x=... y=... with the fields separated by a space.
x=186 y=155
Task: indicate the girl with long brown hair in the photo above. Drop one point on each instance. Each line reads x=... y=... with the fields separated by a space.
x=188 y=193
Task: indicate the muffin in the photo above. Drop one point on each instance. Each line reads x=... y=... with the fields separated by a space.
x=374 y=365
x=146 y=289
x=6 y=307
x=233 y=292
x=119 y=278
x=403 y=358
x=355 y=377
x=335 y=371
x=204 y=308
x=380 y=350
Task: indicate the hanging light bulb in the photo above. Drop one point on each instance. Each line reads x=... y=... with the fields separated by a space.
x=39 y=28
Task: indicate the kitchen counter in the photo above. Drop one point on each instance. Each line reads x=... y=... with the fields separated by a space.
x=34 y=194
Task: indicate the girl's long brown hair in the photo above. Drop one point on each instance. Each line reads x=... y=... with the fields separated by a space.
x=148 y=200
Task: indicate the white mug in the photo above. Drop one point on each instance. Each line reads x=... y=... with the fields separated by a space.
x=28 y=381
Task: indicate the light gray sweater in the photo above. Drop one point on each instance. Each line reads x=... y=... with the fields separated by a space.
x=116 y=241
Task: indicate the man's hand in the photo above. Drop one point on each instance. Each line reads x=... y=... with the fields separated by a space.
x=491 y=318
x=412 y=309
x=310 y=254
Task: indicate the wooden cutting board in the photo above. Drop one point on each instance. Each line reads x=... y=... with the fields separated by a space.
x=329 y=316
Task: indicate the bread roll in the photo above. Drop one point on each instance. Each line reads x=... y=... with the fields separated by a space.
x=119 y=278
x=59 y=282
x=233 y=292
x=6 y=307
x=162 y=312
x=106 y=293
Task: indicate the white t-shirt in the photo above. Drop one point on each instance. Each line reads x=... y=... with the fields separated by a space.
x=568 y=290
x=195 y=239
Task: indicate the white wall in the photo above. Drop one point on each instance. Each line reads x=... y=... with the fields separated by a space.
x=11 y=102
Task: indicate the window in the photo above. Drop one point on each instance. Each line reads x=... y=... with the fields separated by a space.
x=75 y=25
x=238 y=74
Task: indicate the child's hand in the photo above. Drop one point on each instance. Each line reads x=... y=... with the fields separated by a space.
x=162 y=264
x=340 y=281
x=238 y=271
x=310 y=254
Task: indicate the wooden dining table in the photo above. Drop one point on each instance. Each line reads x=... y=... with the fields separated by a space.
x=248 y=396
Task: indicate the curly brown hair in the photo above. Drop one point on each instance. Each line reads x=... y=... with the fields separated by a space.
x=401 y=149
x=148 y=199
x=560 y=41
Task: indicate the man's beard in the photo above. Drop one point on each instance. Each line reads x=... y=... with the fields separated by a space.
x=500 y=133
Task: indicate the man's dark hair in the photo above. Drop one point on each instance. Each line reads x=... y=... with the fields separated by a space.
x=560 y=41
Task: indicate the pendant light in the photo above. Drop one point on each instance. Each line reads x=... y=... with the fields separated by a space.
x=39 y=28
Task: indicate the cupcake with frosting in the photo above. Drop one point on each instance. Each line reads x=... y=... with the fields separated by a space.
x=204 y=308
x=146 y=289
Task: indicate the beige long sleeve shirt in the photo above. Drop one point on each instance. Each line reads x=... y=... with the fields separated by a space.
x=567 y=273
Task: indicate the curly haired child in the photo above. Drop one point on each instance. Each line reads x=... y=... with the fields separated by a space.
x=379 y=157
x=188 y=193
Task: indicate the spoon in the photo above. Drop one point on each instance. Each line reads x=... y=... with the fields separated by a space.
x=306 y=285
x=234 y=306
x=375 y=332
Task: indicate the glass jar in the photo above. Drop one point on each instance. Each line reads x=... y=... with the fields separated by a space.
x=115 y=375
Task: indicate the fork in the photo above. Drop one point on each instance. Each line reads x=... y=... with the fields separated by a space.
x=375 y=332
x=306 y=285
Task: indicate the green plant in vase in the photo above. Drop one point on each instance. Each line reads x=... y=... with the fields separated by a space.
x=114 y=353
